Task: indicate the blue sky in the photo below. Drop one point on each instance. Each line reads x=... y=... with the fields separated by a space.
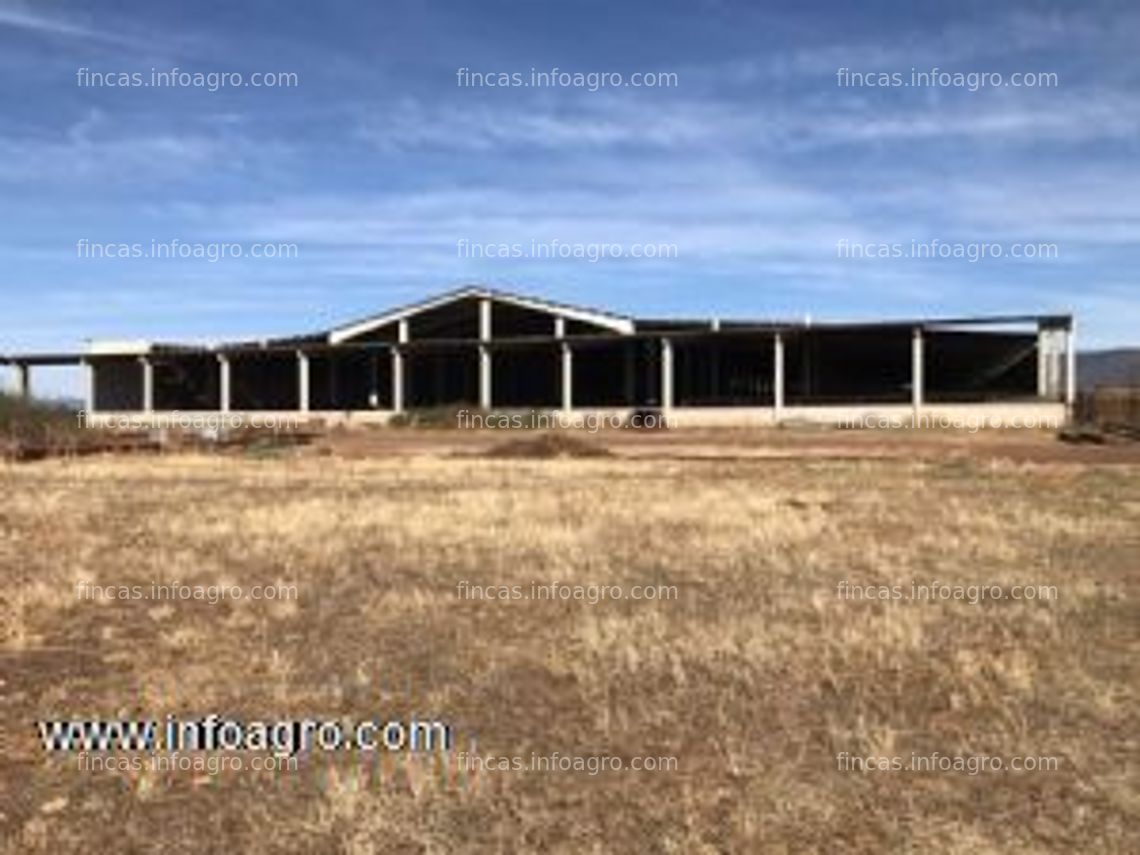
x=754 y=165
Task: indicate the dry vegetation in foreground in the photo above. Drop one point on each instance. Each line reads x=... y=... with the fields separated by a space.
x=755 y=677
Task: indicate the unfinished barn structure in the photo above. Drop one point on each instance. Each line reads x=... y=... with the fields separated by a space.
x=492 y=350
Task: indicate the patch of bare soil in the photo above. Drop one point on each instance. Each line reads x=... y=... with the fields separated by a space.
x=545 y=446
x=730 y=444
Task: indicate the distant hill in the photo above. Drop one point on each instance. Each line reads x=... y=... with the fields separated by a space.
x=1119 y=367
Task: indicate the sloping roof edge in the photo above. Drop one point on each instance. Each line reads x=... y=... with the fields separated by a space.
x=607 y=320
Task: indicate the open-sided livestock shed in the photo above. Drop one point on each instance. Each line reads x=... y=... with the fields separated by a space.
x=494 y=350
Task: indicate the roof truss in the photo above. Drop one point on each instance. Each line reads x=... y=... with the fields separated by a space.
x=605 y=320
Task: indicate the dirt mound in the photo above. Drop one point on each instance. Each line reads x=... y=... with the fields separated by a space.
x=547 y=445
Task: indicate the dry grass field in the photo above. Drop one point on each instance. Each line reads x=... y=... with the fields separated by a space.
x=757 y=676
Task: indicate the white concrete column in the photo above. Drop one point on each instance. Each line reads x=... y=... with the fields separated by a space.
x=397 y=380
x=485 y=319
x=23 y=380
x=302 y=381
x=1043 y=339
x=485 y=379
x=666 y=374
x=403 y=335
x=147 y=384
x=567 y=377
x=567 y=365
x=89 y=386
x=778 y=375
x=1053 y=359
x=223 y=383
x=1071 y=367
x=917 y=370
x=485 y=395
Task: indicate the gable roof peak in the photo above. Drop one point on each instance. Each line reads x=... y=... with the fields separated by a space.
x=608 y=320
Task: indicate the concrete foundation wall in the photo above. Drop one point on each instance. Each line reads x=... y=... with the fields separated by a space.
x=1045 y=415
x=872 y=416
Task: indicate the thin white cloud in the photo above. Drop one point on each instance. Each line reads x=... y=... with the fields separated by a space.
x=1070 y=116
x=1002 y=39
x=99 y=147
x=27 y=160
x=1077 y=117
x=23 y=18
x=411 y=125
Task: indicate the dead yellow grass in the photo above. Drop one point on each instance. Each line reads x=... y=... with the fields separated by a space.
x=755 y=677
